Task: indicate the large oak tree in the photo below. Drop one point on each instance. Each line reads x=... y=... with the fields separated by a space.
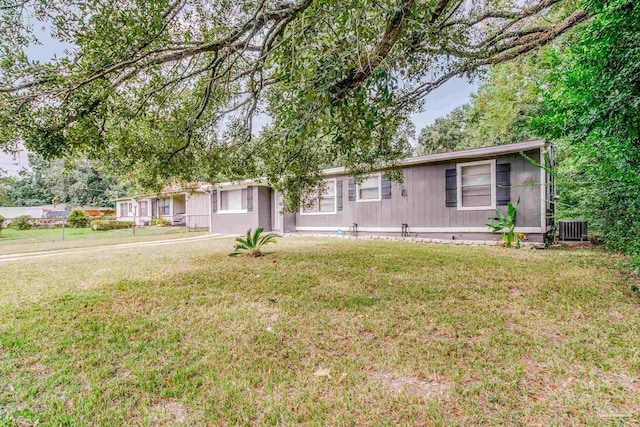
x=170 y=89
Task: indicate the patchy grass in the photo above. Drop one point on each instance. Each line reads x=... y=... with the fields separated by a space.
x=34 y=240
x=320 y=332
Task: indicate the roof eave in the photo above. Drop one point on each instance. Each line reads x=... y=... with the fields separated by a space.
x=463 y=154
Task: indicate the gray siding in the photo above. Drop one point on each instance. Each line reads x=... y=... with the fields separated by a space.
x=239 y=223
x=424 y=203
x=264 y=207
x=197 y=213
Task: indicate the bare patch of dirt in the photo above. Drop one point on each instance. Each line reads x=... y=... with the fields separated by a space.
x=514 y=292
x=268 y=313
x=420 y=385
x=169 y=411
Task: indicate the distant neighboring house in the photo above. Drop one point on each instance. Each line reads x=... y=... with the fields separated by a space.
x=54 y=211
x=447 y=195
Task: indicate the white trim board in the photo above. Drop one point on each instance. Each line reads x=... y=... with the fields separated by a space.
x=377 y=199
x=455 y=155
x=418 y=229
x=492 y=167
x=335 y=200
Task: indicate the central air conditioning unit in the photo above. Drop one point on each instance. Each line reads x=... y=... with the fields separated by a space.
x=573 y=230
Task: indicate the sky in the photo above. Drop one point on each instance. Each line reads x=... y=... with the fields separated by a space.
x=438 y=103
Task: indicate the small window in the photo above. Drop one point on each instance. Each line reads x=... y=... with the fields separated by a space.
x=144 y=208
x=131 y=209
x=165 y=206
x=476 y=185
x=369 y=189
x=326 y=204
x=123 y=209
x=233 y=200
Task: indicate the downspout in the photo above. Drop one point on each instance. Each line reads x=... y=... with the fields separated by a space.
x=210 y=210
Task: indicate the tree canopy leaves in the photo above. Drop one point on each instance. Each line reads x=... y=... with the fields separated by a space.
x=171 y=88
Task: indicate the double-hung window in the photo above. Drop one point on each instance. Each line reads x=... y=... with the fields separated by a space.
x=370 y=189
x=144 y=208
x=476 y=185
x=233 y=201
x=123 y=209
x=326 y=203
x=165 y=206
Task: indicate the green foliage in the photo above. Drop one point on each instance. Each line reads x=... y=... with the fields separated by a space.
x=78 y=219
x=69 y=182
x=592 y=105
x=445 y=134
x=161 y=100
x=498 y=113
x=24 y=222
x=252 y=244
x=160 y=222
x=508 y=221
x=105 y=225
x=1 y=222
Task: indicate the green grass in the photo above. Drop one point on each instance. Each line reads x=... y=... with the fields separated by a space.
x=21 y=241
x=411 y=334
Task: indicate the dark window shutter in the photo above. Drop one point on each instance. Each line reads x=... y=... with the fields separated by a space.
x=451 y=190
x=503 y=184
x=214 y=201
x=386 y=188
x=249 y=199
x=352 y=189
x=339 y=194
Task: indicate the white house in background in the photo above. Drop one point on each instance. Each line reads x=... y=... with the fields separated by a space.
x=53 y=211
x=16 y=211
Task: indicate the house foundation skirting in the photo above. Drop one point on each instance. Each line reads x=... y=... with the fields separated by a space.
x=530 y=245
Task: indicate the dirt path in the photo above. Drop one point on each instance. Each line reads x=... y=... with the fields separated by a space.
x=58 y=252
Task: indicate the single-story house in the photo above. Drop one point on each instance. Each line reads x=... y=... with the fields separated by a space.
x=447 y=195
x=186 y=204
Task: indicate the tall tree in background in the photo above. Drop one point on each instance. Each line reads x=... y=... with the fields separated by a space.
x=501 y=110
x=76 y=183
x=592 y=104
x=445 y=134
x=171 y=87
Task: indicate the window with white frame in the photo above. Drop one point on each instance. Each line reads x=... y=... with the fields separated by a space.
x=144 y=208
x=123 y=209
x=165 y=206
x=476 y=185
x=325 y=204
x=369 y=190
x=233 y=200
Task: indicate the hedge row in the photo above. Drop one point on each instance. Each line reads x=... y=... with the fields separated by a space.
x=104 y=225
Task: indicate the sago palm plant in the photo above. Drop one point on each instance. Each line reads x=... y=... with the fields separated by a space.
x=507 y=221
x=252 y=244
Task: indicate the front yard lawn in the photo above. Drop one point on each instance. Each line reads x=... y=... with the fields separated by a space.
x=44 y=239
x=320 y=332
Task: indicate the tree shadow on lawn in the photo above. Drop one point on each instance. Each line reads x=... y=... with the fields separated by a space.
x=238 y=340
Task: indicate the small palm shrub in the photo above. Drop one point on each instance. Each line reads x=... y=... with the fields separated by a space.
x=78 y=219
x=24 y=222
x=507 y=222
x=252 y=244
